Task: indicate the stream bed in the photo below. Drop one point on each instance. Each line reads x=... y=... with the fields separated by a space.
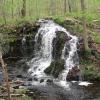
x=76 y=92
x=51 y=91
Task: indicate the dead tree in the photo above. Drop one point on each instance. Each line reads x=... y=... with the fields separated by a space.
x=69 y=6
x=85 y=34
x=23 y=10
x=3 y=12
x=5 y=75
x=65 y=6
x=12 y=9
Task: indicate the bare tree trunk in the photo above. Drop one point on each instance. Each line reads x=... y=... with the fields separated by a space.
x=30 y=9
x=52 y=6
x=85 y=35
x=3 y=12
x=69 y=6
x=23 y=10
x=37 y=10
x=5 y=75
x=12 y=9
x=65 y=6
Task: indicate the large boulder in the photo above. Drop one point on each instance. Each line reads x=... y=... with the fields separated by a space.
x=73 y=74
x=55 y=68
x=57 y=65
x=58 y=44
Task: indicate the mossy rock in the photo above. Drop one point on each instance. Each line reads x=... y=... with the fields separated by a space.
x=55 y=68
x=58 y=44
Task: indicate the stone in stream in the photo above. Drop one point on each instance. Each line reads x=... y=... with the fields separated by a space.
x=16 y=87
x=42 y=80
x=35 y=79
x=30 y=79
x=19 y=76
x=49 y=81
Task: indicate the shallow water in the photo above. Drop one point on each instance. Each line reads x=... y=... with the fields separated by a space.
x=51 y=91
x=76 y=92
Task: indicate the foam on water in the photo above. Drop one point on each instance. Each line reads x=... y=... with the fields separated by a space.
x=84 y=83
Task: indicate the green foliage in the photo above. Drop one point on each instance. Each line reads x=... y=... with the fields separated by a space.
x=55 y=68
x=90 y=70
x=58 y=20
x=21 y=91
x=96 y=37
x=26 y=98
x=43 y=8
x=88 y=53
x=4 y=47
x=5 y=39
x=97 y=76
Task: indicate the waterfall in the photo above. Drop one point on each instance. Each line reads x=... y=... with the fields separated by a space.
x=43 y=50
x=71 y=60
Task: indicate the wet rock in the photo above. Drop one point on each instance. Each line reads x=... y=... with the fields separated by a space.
x=55 y=68
x=35 y=79
x=59 y=43
x=16 y=87
x=30 y=79
x=18 y=81
x=42 y=80
x=49 y=81
x=80 y=47
x=74 y=74
x=19 y=76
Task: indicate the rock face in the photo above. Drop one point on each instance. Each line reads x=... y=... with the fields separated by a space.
x=74 y=74
x=58 y=44
x=55 y=68
x=58 y=64
x=23 y=44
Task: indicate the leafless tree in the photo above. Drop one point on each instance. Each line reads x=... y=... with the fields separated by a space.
x=12 y=9
x=23 y=10
x=69 y=6
x=52 y=7
x=65 y=6
x=5 y=75
x=85 y=35
x=3 y=11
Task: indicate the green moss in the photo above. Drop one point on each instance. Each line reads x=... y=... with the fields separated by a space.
x=90 y=72
x=55 y=68
x=27 y=98
x=20 y=91
x=97 y=76
x=96 y=38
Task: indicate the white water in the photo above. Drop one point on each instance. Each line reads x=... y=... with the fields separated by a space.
x=69 y=59
x=84 y=83
x=43 y=57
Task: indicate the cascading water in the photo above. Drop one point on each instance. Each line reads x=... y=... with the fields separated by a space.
x=43 y=56
x=71 y=60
